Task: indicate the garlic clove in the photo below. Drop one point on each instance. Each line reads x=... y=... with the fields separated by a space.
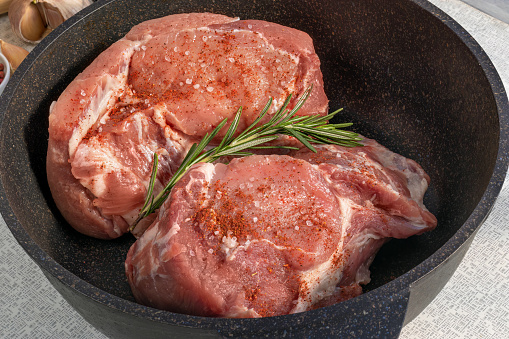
x=54 y=12
x=4 y=6
x=13 y=53
x=51 y=15
x=26 y=21
x=31 y=26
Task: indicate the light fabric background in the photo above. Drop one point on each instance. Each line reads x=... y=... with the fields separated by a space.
x=474 y=304
x=497 y=8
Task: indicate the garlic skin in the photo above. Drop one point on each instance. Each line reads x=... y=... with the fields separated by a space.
x=13 y=53
x=54 y=12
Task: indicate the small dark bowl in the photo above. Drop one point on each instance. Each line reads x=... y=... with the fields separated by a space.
x=407 y=75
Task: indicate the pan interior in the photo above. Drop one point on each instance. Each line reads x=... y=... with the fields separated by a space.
x=401 y=76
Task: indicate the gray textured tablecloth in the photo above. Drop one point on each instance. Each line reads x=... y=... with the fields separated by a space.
x=474 y=304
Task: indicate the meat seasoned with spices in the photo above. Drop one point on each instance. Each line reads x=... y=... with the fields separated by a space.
x=159 y=89
x=269 y=235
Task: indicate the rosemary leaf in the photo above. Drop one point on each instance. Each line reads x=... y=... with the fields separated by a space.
x=151 y=184
x=303 y=140
x=246 y=145
x=233 y=127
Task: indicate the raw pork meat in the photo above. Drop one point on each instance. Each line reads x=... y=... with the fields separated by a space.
x=159 y=89
x=269 y=235
x=221 y=67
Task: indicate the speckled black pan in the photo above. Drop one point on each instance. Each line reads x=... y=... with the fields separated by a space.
x=406 y=74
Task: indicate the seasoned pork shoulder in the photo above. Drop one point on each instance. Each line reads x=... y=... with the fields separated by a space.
x=159 y=89
x=269 y=235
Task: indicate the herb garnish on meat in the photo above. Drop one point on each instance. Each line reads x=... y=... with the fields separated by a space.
x=307 y=129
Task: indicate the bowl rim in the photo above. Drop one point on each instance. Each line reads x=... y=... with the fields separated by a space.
x=474 y=221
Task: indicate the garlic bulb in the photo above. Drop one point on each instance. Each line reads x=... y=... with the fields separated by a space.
x=13 y=53
x=54 y=12
x=30 y=19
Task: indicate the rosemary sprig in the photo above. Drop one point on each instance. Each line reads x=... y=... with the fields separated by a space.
x=306 y=129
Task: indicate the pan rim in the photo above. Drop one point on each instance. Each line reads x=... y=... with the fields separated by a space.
x=474 y=221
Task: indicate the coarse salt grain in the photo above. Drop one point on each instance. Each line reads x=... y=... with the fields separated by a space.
x=211 y=251
x=187 y=52
x=231 y=59
x=296 y=228
x=309 y=223
x=167 y=58
x=249 y=26
x=181 y=83
x=83 y=93
x=144 y=47
x=189 y=81
x=196 y=86
x=191 y=253
x=210 y=89
x=175 y=49
x=204 y=38
x=255 y=219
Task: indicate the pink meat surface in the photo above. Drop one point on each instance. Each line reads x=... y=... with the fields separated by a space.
x=159 y=89
x=221 y=67
x=270 y=235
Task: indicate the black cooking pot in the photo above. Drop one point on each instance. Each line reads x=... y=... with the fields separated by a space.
x=406 y=74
